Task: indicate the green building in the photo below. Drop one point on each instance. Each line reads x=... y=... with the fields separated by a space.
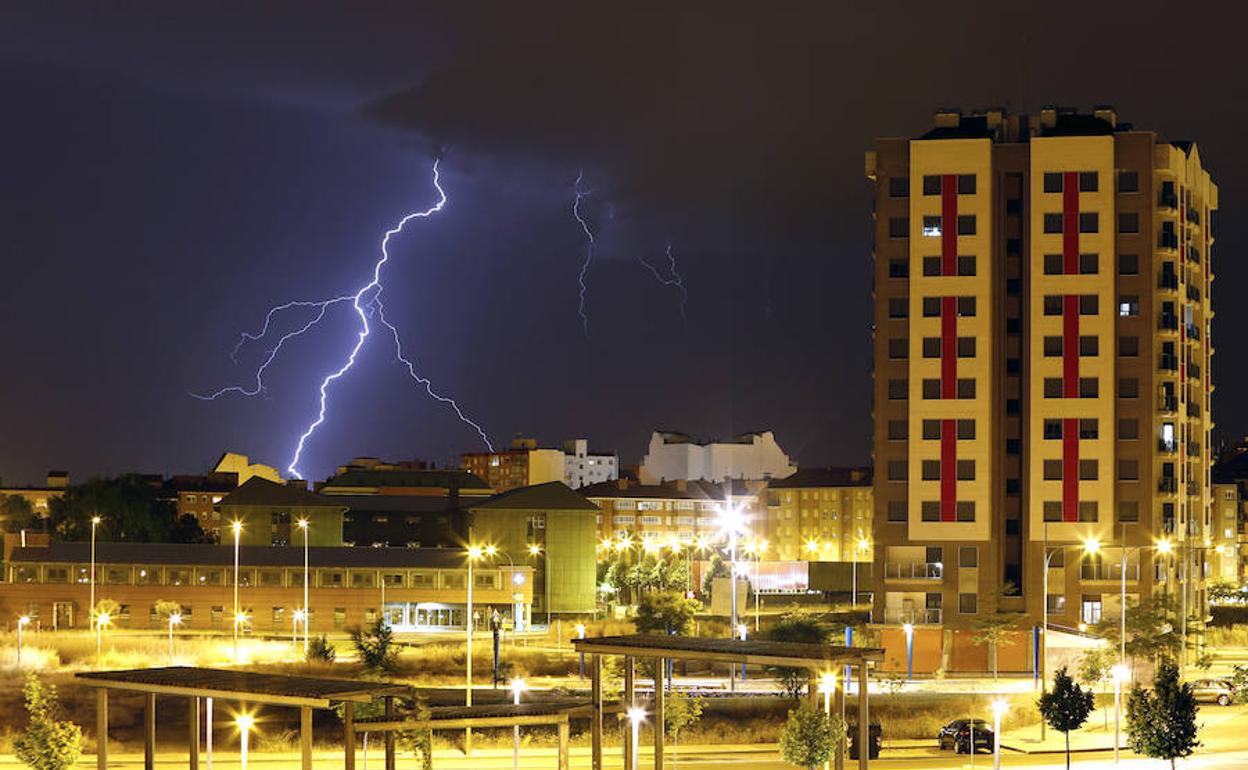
x=270 y=514
x=563 y=524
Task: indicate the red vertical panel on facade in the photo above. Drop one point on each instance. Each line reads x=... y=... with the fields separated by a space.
x=1070 y=469
x=1070 y=223
x=949 y=225
x=1070 y=346
x=948 y=470
x=948 y=347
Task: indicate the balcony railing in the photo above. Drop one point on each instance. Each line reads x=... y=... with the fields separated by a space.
x=1193 y=489
x=1168 y=201
x=1168 y=363
x=1193 y=254
x=1193 y=410
x=1193 y=449
x=1167 y=447
x=1168 y=281
x=1168 y=322
x=1193 y=371
x=1193 y=332
x=1108 y=571
x=1168 y=403
x=916 y=570
x=920 y=617
x=1168 y=241
x=1193 y=216
x=1167 y=485
x=1193 y=293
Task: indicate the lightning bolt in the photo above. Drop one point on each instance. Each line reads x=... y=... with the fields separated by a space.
x=366 y=301
x=676 y=280
x=580 y=194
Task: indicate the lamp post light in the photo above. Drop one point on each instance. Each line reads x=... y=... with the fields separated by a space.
x=999 y=707
x=297 y=617
x=1119 y=675
x=636 y=716
x=245 y=724
x=175 y=619
x=474 y=553
x=580 y=634
x=827 y=686
x=95 y=522
x=743 y=631
x=307 y=611
x=22 y=622
x=517 y=686
x=908 y=628
x=237 y=526
x=536 y=550
x=102 y=621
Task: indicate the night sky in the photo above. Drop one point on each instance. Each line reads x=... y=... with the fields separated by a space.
x=169 y=174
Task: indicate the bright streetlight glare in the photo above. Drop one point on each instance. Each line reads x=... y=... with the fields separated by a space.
x=1119 y=673
x=908 y=628
x=103 y=619
x=23 y=620
x=1164 y=546
x=812 y=546
x=302 y=523
x=1000 y=706
x=475 y=552
x=245 y=722
x=535 y=549
x=636 y=714
x=827 y=682
x=1092 y=545
x=96 y=519
x=175 y=619
x=517 y=686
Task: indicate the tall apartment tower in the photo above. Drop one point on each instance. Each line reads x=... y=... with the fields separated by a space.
x=1042 y=357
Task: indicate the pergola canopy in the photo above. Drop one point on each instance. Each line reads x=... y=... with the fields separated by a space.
x=753 y=653
x=252 y=687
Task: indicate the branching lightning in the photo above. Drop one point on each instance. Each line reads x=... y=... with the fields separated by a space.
x=676 y=280
x=580 y=194
x=366 y=302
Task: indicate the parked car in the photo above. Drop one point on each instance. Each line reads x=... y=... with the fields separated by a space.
x=957 y=735
x=875 y=734
x=1219 y=691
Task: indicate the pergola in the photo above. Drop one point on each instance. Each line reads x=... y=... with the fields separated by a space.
x=244 y=687
x=815 y=658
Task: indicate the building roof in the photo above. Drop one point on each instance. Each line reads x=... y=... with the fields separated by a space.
x=679 y=437
x=824 y=477
x=444 y=479
x=249 y=555
x=248 y=686
x=262 y=492
x=551 y=496
x=399 y=503
x=669 y=490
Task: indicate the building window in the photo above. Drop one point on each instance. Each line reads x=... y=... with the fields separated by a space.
x=931 y=226
x=340 y=618
x=1129 y=346
x=1128 y=306
x=1128 y=222
x=966 y=347
x=896 y=510
x=896 y=470
x=898 y=348
x=968 y=556
x=1128 y=429
x=968 y=604
x=965 y=510
x=1053 y=223
x=1053 y=346
x=899 y=187
x=966 y=184
x=1128 y=181
x=898 y=227
x=931 y=430
x=1088 y=470
x=897 y=430
x=966 y=470
x=1087 y=510
x=1129 y=387
x=1089 y=264
x=931 y=470
x=1053 y=470
x=931 y=347
x=1089 y=222
x=1053 y=387
x=1088 y=304
x=929 y=510
x=1128 y=510
x=1128 y=264
x=966 y=387
x=1053 y=512
x=898 y=390
x=932 y=267
x=1052 y=182
x=1088 y=346
x=1088 y=387
x=1054 y=264
x=1128 y=470
x=898 y=307
x=966 y=265
x=1052 y=429
x=966 y=307
x=1088 y=181
x=931 y=184
x=1052 y=304
x=931 y=307
x=897 y=268
x=931 y=389
x=1090 y=610
x=966 y=224
x=1057 y=604
x=966 y=430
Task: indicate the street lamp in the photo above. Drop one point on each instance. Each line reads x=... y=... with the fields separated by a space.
x=175 y=619
x=22 y=622
x=102 y=621
x=95 y=522
x=908 y=628
x=237 y=526
x=732 y=524
x=517 y=686
x=999 y=707
x=1119 y=675
x=827 y=686
x=580 y=634
x=297 y=617
x=636 y=716
x=860 y=546
x=474 y=553
x=307 y=612
x=245 y=724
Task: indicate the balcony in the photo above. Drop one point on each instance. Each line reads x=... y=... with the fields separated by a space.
x=1168 y=281
x=1193 y=293
x=1193 y=332
x=1168 y=322
x=1168 y=201
x=1193 y=449
x=1193 y=410
x=1193 y=489
x=916 y=570
x=1193 y=215
x=1167 y=485
x=1193 y=371
x=1107 y=572
x=1167 y=447
x=1168 y=362
x=1168 y=404
x=1168 y=241
x=922 y=617
x=1193 y=254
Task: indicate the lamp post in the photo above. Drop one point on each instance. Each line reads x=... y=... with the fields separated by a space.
x=95 y=522
x=474 y=553
x=827 y=685
x=517 y=686
x=1119 y=674
x=580 y=634
x=307 y=612
x=999 y=707
x=22 y=622
x=102 y=621
x=732 y=524
x=245 y=723
x=743 y=631
x=536 y=550
x=861 y=545
x=297 y=617
x=237 y=526
x=908 y=628
x=175 y=619
x=636 y=716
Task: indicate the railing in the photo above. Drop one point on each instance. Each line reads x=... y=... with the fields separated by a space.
x=1168 y=281
x=1168 y=241
x=1168 y=403
x=1108 y=571
x=1168 y=363
x=917 y=570
x=1167 y=447
x=1168 y=201
x=1193 y=448
x=1193 y=216
x=1193 y=410
x=921 y=617
x=1193 y=332
x=1193 y=292
x=1193 y=254
x=1168 y=322
x=1167 y=485
x=1193 y=489
x=1193 y=371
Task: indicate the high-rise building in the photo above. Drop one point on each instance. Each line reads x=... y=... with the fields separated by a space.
x=1042 y=356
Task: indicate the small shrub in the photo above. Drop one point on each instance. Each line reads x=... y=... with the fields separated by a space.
x=49 y=743
x=375 y=646
x=320 y=650
x=810 y=737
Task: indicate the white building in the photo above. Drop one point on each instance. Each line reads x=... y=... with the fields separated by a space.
x=750 y=456
x=581 y=467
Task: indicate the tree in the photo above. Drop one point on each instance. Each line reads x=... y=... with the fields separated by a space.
x=665 y=612
x=1150 y=630
x=1162 y=723
x=810 y=737
x=1065 y=707
x=679 y=711
x=1094 y=668
x=419 y=742
x=320 y=650
x=17 y=512
x=995 y=631
x=795 y=627
x=1239 y=684
x=1225 y=592
x=188 y=531
x=131 y=509
x=718 y=569
x=375 y=646
x=49 y=743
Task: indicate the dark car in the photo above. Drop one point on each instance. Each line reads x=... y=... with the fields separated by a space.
x=959 y=733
